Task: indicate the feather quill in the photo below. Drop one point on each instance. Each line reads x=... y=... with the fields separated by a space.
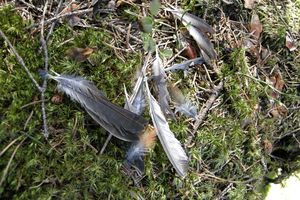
x=182 y=104
x=159 y=77
x=120 y=122
x=171 y=145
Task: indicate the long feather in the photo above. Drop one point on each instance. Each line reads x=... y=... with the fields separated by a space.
x=159 y=77
x=171 y=145
x=182 y=104
x=120 y=122
x=197 y=22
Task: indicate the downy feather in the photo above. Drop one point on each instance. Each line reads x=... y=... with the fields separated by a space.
x=120 y=122
x=182 y=104
x=136 y=153
x=171 y=145
x=159 y=77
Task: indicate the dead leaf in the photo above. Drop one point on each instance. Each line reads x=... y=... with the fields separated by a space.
x=73 y=20
x=277 y=83
x=290 y=42
x=255 y=26
x=267 y=145
x=72 y=7
x=79 y=54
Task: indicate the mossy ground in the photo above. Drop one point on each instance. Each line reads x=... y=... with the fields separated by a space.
x=224 y=155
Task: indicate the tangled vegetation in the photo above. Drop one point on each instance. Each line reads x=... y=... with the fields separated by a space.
x=251 y=131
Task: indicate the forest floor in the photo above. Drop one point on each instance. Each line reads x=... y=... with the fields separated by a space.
x=249 y=136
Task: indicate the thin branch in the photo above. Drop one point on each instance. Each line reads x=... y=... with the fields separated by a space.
x=46 y=60
x=105 y=144
x=20 y=60
x=203 y=113
x=54 y=22
x=79 y=12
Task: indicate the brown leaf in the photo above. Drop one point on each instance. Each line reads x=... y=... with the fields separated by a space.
x=79 y=54
x=277 y=83
x=290 y=42
x=255 y=26
x=267 y=145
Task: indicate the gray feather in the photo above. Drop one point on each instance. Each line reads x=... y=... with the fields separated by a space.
x=135 y=157
x=197 y=22
x=197 y=28
x=120 y=122
x=159 y=77
x=185 y=65
x=137 y=101
x=171 y=145
x=202 y=41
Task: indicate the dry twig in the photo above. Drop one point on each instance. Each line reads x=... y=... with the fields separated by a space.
x=203 y=113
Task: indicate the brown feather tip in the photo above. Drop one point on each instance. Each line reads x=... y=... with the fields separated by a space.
x=148 y=137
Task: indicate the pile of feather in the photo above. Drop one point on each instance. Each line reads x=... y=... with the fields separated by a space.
x=127 y=123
